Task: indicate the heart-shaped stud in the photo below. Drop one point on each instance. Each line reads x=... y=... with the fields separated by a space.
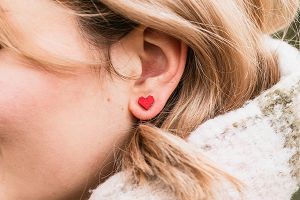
x=146 y=103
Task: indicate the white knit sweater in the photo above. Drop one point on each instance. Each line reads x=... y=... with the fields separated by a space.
x=258 y=143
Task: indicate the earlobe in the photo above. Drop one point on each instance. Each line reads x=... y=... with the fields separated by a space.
x=162 y=61
x=147 y=102
x=145 y=107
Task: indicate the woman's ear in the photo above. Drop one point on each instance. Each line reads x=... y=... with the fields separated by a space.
x=162 y=60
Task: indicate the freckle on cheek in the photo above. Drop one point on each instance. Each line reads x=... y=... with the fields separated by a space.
x=108 y=99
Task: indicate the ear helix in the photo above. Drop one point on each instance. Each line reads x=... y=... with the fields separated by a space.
x=147 y=102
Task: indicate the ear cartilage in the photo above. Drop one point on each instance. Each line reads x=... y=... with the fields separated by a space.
x=147 y=102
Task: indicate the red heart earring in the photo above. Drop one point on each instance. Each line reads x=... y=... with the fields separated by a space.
x=146 y=103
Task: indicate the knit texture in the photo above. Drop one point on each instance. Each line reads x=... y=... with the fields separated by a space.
x=258 y=143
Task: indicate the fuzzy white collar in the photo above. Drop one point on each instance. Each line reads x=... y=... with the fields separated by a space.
x=258 y=143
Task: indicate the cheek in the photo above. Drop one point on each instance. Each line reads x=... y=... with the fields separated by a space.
x=50 y=129
x=26 y=96
x=24 y=92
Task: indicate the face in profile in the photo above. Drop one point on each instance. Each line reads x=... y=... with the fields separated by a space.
x=56 y=133
x=59 y=134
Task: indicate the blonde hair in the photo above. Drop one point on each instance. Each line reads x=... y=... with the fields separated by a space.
x=227 y=65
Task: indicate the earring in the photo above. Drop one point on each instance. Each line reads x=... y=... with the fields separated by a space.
x=146 y=103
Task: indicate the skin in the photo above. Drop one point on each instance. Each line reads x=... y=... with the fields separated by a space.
x=57 y=133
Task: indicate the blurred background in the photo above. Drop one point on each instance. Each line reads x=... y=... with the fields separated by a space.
x=291 y=35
